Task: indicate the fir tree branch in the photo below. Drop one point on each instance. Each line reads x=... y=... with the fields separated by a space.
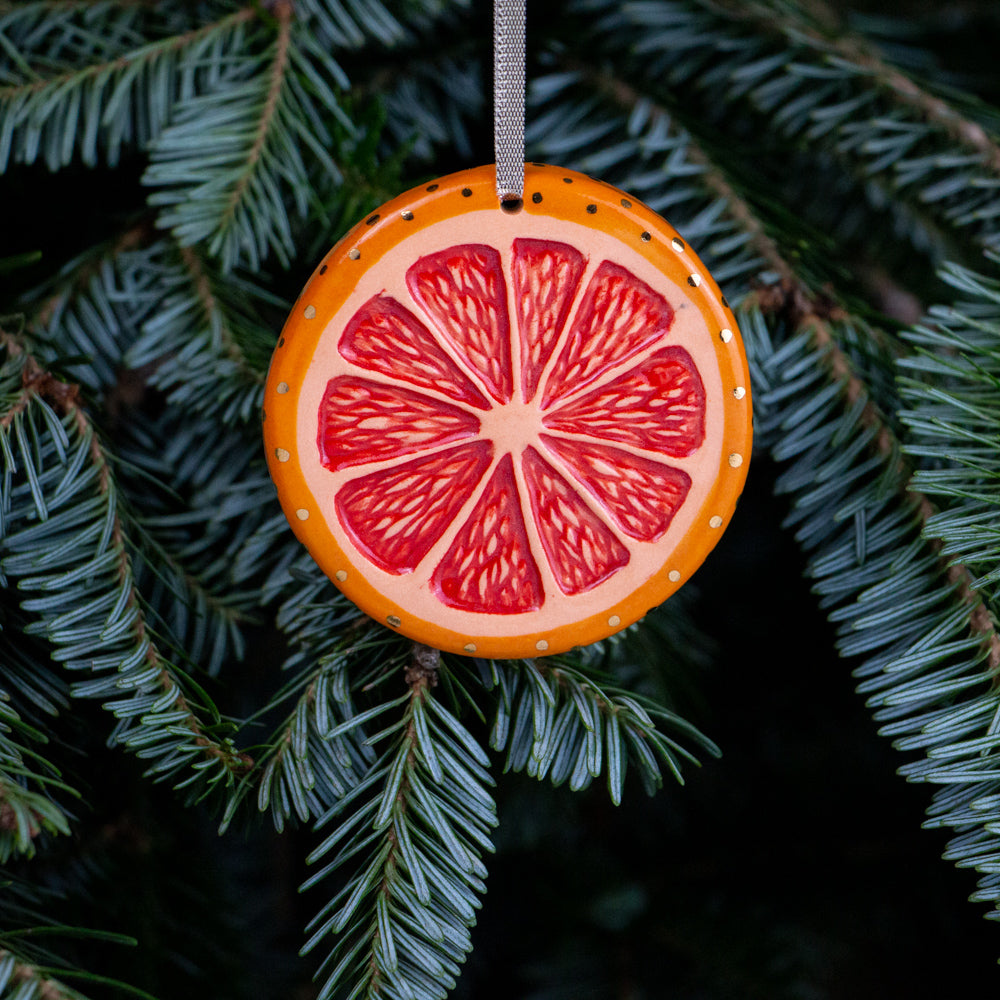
x=855 y=50
x=158 y=719
x=813 y=319
x=557 y=723
x=815 y=107
x=414 y=829
x=710 y=174
x=211 y=308
x=282 y=12
x=23 y=980
x=54 y=113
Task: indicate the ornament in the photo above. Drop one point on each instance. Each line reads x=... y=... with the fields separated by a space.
x=506 y=428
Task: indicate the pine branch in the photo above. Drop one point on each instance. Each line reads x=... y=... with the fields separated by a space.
x=128 y=307
x=767 y=76
x=99 y=90
x=66 y=546
x=219 y=321
x=659 y=121
x=24 y=981
x=311 y=760
x=413 y=830
x=928 y=653
x=93 y=309
x=232 y=166
x=25 y=813
x=554 y=722
x=832 y=38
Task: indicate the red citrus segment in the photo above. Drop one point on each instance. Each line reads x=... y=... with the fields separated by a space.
x=396 y=515
x=545 y=276
x=619 y=316
x=463 y=290
x=383 y=336
x=580 y=547
x=362 y=421
x=489 y=568
x=658 y=406
x=641 y=496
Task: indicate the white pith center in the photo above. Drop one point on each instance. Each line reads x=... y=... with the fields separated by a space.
x=512 y=426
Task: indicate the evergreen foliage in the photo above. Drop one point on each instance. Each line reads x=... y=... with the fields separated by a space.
x=826 y=167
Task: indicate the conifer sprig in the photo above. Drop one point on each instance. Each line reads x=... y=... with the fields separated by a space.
x=79 y=79
x=554 y=722
x=65 y=545
x=414 y=830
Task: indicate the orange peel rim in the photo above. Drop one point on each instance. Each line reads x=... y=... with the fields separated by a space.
x=565 y=193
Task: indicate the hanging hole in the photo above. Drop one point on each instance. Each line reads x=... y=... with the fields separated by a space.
x=511 y=205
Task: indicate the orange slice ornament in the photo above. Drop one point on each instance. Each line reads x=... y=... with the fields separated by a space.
x=508 y=433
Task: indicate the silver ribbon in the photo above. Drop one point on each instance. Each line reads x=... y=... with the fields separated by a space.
x=508 y=97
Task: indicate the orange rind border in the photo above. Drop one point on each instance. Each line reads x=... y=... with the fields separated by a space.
x=550 y=191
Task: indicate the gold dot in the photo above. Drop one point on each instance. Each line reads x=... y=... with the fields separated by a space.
x=677 y=244
x=407 y=215
x=282 y=388
x=614 y=621
x=715 y=522
x=735 y=460
x=541 y=645
x=469 y=647
x=394 y=620
x=354 y=254
x=281 y=455
x=302 y=514
x=694 y=280
x=673 y=576
x=310 y=312
x=340 y=576
x=726 y=335
x=739 y=392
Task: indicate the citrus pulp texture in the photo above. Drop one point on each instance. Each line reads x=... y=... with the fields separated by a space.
x=506 y=433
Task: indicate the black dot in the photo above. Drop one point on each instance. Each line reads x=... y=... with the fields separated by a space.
x=567 y=180
x=626 y=203
x=371 y=220
x=511 y=205
x=645 y=237
x=322 y=270
x=725 y=301
x=281 y=343
x=592 y=209
x=432 y=187
x=466 y=192
x=537 y=197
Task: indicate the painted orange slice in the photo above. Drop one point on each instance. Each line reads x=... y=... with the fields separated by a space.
x=507 y=433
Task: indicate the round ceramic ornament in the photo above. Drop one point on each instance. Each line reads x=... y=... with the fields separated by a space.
x=507 y=429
